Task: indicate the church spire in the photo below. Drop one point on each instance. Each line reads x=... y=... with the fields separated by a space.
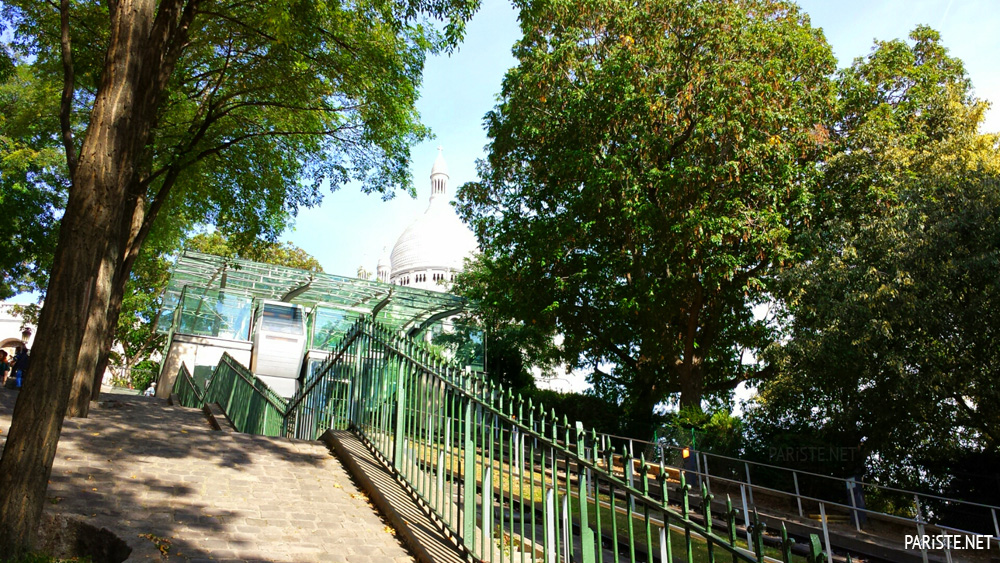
x=439 y=175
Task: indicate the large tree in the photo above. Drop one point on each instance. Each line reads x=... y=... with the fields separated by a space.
x=892 y=343
x=180 y=101
x=647 y=165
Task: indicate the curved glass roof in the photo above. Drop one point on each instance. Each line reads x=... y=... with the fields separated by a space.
x=407 y=309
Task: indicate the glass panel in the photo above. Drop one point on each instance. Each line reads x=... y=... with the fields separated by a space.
x=268 y=282
x=215 y=313
x=459 y=341
x=328 y=325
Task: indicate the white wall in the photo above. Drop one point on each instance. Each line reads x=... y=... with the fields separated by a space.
x=195 y=352
x=10 y=330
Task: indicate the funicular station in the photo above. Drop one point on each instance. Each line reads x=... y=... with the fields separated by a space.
x=290 y=353
x=282 y=323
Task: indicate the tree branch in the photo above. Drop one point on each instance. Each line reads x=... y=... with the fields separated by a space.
x=153 y=335
x=767 y=372
x=607 y=375
x=975 y=418
x=237 y=140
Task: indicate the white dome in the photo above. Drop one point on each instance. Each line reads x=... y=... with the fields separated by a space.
x=437 y=241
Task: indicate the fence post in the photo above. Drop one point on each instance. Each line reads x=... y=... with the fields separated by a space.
x=798 y=495
x=354 y=414
x=567 y=543
x=398 y=432
x=488 y=514
x=854 y=504
x=550 y=526
x=708 y=478
x=826 y=533
x=920 y=528
x=996 y=526
x=628 y=467
x=469 y=481
x=749 y=484
x=746 y=514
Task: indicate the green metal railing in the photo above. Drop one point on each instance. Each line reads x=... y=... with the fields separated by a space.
x=186 y=389
x=508 y=479
x=248 y=402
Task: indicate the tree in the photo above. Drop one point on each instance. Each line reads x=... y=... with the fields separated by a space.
x=280 y=254
x=180 y=101
x=891 y=324
x=647 y=167
x=136 y=336
x=32 y=185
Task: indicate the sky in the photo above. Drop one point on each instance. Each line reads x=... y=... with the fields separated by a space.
x=351 y=229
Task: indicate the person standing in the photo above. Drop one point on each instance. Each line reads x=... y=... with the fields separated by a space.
x=4 y=367
x=21 y=365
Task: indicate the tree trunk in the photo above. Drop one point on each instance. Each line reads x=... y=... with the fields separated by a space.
x=692 y=383
x=78 y=402
x=149 y=54
x=76 y=298
x=99 y=337
x=84 y=264
x=690 y=375
x=139 y=226
x=645 y=395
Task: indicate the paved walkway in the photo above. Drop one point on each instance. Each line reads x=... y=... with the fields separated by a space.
x=144 y=469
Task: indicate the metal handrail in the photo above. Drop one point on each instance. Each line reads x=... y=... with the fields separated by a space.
x=185 y=386
x=918 y=521
x=252 y=380
x=331 y=360
x=856 y=482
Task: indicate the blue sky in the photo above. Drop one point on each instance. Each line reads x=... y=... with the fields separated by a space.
x=350 y=229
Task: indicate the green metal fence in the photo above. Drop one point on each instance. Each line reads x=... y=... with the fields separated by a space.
x=508 y=479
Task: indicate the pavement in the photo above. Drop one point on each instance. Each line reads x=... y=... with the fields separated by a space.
x=159 y=476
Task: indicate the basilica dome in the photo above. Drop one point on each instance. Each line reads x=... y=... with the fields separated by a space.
x=434 y=247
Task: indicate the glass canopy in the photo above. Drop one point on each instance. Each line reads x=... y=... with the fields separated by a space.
x=211 y=295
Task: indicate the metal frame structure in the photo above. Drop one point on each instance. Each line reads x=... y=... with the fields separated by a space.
x=397 y=307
